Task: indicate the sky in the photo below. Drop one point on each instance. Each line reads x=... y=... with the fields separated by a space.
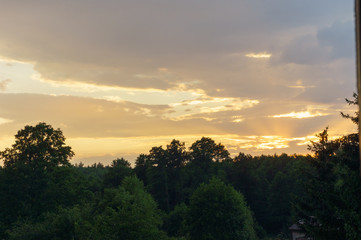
x=121 y=76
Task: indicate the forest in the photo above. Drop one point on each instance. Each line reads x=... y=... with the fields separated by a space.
x=174 y=192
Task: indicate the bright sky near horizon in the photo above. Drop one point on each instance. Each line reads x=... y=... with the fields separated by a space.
x=120 y=76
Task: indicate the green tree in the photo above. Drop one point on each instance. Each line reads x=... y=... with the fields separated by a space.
x=63 y=224
x=38 y=148
x=317 y=206
x=93 y=175
x=333 y=185
x=30 y=167
x=127 y=213
x=175 y=222
x=177 y=157
x=165 y=176
x=353 y=101
x=218 y=211
x=157 y=177
x=330 y=188
x=205 y=161
x=141 y=165
x=118 y=170
x=205 y=151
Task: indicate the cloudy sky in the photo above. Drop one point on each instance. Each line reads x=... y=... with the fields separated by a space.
x=120 y=76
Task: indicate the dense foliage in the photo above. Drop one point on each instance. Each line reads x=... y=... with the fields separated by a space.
x=178 y=193
x=330 y=207
x=218 y=211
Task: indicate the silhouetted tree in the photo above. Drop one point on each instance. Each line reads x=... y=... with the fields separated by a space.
x=118 y=170
x=354 y=101
x=332 y=186
x=206 y=159
x=28 y=183
x=37 y=148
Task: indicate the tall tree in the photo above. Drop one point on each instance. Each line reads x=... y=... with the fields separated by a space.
x=165 y=173
x=204 y=151
x=30 y=169
x=332 y=186
x=157 y=177
x=205 y=160
x=118 y=170
x=38 y=148
x=218 y=211
x=127 y=213
x=141 y=165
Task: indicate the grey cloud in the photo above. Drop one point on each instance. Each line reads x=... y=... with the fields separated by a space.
x=326 y=45
x=104 y=76
x=111 y=42
x=203 y=42
x=305 y=50
x=334 y=82
x=305 y=12
x=340 y=37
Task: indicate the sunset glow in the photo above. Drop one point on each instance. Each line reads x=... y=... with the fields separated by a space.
x=299 y=115
x=258 y=55
x=251 y=78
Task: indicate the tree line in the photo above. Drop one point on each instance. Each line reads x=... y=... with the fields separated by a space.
x=178 y=193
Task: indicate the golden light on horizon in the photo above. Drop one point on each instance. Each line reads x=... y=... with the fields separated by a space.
x=238 y=120
x=4 y=120
x=259 y=55
x=304 y=114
